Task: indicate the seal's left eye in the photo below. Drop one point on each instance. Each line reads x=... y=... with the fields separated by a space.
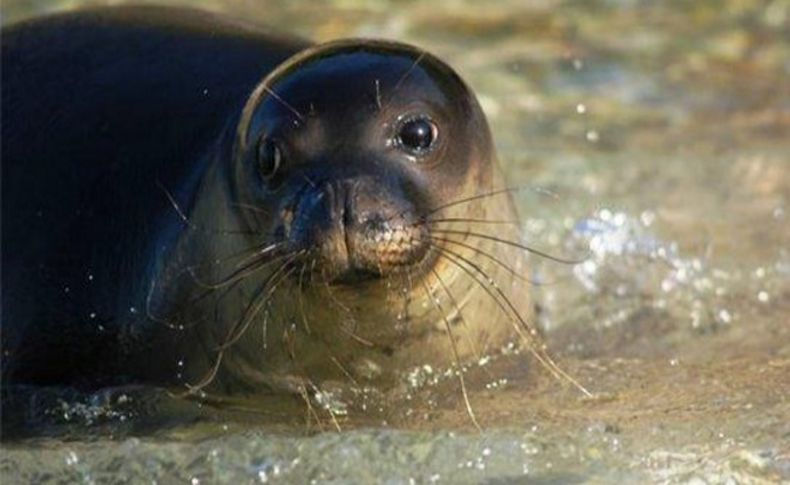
x=417 y=135
x=269 y=157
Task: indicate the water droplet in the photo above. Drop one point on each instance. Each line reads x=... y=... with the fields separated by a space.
x=581 y=109
x=647 y=218
x=763 y=296
x=72 y=458
x=725 y=316
x=592 y=136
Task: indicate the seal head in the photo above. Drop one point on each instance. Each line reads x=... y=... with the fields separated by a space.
x=348 y=146
x=344 y=160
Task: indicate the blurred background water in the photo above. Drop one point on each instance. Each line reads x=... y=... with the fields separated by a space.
x=664 y=128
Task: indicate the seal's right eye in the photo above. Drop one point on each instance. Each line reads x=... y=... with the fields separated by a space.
x=269 y=157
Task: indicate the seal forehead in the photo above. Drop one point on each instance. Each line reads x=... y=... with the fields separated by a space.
x=340 y=78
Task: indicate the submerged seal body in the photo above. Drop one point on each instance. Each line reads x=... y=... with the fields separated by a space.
x=189 y=200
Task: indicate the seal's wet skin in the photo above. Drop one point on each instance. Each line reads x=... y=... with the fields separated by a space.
x=191 y=202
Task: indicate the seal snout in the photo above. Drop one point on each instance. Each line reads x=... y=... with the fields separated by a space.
x=360 y=229
x=388 y=245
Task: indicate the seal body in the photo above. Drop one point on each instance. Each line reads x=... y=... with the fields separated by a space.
x=190 y=200
x=97 y=109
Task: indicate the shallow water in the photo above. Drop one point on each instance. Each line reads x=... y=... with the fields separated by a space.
x=663 y=129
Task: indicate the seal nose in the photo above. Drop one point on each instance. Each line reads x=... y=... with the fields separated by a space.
x=360 y=228
x=383 y=232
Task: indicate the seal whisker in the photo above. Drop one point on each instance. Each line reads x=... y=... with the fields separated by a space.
x=343 y=369
x=251 y=207
x=489 y=256
x=424 y=217
x=207 y=379
x=253 y=250
x=309 y=180
x=265 y=326
x=491 y=193
x=365 y=342
x=283 y=102
x=242 y=324
x=539 y=352
x=214 y=363
x=456 y=259
x=188 y=222
x=335 y=300
x=469 y=220
x=301 y=300
x=529 y=249
x=328 y=408
x=174 y=204
x=260 y=252
x=407 y=295
x=238 y=274
x=310 y=409
x=309 y=383
x=209 y=289
x=456 y=357
x=377 y=83
x=454 y=302
x=188 y=270
x=259 y=300
x=408 y=72
x=186 y=304
x=500 y=263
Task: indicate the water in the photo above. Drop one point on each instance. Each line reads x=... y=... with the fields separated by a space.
x=664 y=130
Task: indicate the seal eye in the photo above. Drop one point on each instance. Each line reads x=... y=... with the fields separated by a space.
x=269 y=158
x=417 y=135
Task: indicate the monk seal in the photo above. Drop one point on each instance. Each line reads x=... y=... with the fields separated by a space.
x=191 y=201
